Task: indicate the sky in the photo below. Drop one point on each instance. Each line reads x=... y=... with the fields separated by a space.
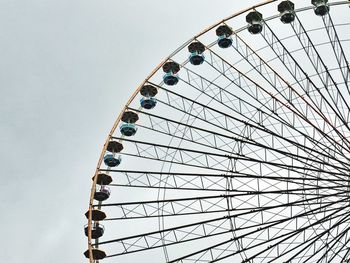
x=66 y=70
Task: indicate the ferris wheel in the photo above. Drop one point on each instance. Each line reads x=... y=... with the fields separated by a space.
x=236 y=148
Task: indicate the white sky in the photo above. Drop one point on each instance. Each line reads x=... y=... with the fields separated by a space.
x=66 y=70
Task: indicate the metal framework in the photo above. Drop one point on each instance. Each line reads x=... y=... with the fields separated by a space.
x=246 y=158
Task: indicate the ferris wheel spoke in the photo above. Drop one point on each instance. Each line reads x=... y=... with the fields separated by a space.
x=224 y=143
x=321 y=69
x=281 y=253
x=285 y=237
x=201 y=205
x=297 y=192
x=226 y=95
x=338 y=103
x=194 y=231
x=338 y=50
x=346 y=251
x=308 y=243
x=278 y=83
x=205 y=115
x=275 y=106
x=208 y=160
x=327 y=248
x=247 y=111
x=256 y=91
x=266 y=225
x=339 y=251
x=171 y=181
x=308 y=86
x=171 y=236
x=172 y=207
x=291 y=95
x=230 y=123
x=257 y=115
x=187 y=157
x=215 y=140
x=205 y=181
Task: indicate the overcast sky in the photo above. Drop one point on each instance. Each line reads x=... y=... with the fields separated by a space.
x=66 y=70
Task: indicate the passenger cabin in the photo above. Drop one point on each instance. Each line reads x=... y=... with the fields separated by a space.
x=255 y=21
x=171 y=69
x=321 y=7
x=224 y=34
x=102 y=194
x=97 y=254
x=114 y=147
x=111 y=161
x=96 y=215
x=128 y=128
x=103 y=179
x=97 y=230
x=148 y=100
x=196 y=50
x=286 y=9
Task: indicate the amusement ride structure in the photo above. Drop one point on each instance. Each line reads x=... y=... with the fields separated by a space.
x=236 y=148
